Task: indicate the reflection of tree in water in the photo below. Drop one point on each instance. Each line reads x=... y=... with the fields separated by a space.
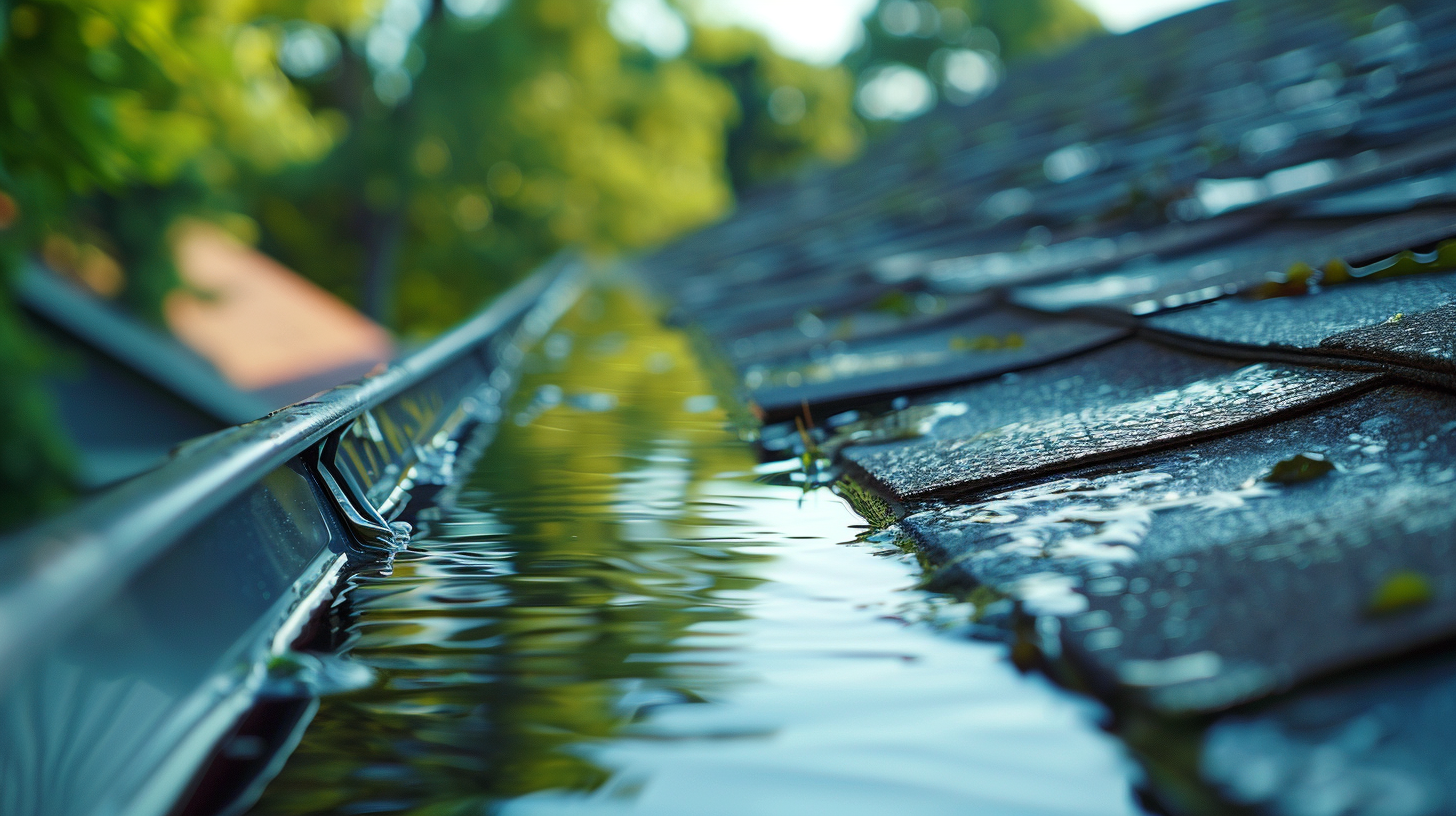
x=548 y=616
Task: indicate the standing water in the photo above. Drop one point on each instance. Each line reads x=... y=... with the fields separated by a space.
x=620 y=616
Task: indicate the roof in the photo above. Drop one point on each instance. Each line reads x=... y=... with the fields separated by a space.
x=1158 y=344
x=249 y=336
x=264 y=327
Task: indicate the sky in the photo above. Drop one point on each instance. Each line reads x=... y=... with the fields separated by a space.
x=822 y=31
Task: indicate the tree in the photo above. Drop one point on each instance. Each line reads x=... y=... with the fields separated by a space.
x=413 y=156
x=913 y=47
x=492 y=140
x=489 y=136
x=115 y=116
x=790 y=113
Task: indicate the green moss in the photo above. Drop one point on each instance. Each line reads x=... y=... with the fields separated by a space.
x=1302 y=467
x=1400 y=591
x=896 y=303
x=1300 y=278
x=868 y=504
x=987 y=342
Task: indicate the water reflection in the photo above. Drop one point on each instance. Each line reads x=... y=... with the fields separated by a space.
x=621 y=618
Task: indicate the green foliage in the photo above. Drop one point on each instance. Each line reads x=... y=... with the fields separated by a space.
x=521 y=134
x=532 y=130
x=931 y=35
x=790 y=112
x=1401 y=591
x=116 y=115
x=1301 y=467
x=416 y=185
x=868 y=504
x=1012 y=29
x=414 y=157
x=35 y=462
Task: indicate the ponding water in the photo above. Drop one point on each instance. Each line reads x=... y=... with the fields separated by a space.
x=619 y=615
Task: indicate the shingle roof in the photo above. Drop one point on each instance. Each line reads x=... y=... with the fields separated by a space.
x=1157 y=341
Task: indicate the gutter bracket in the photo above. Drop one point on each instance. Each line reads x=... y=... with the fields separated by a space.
x=376 y=540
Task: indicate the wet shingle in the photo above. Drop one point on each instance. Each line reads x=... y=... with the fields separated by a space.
x=1408 y=324
x=1218 y=404
x=1258 y=616
x=1302 y=322
x=1156 y=283
x=728 y=315
x=1378 y=742
x=1260 y=259
x=993 y=270
x=1222 y=572
x=895 y=312
x=984 y=345
x=1420 y=340
x=1122 y=371
x=1094 y=521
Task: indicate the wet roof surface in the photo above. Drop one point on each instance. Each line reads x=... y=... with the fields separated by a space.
x=975 y=347
x=1303 y=322
x=1158 y=341
x=1375 y=737
x=1105 y=430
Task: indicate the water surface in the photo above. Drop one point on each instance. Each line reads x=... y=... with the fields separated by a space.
x=622 y=617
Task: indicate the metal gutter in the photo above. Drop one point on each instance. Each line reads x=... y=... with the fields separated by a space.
x=135 y=627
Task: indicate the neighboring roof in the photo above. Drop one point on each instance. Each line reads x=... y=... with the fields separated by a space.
x=250 y=336
x=263 y=326
x=135 y=346
x=1159 y=342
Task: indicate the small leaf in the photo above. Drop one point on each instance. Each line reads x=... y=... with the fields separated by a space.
x=1400 y=591
x=1301 y=467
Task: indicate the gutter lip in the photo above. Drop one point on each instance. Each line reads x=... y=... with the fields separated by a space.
x=53 y=574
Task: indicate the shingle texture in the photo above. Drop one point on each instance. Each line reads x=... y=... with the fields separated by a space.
x=1158 y=343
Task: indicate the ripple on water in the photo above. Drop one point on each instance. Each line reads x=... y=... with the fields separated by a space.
x=619 y=618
